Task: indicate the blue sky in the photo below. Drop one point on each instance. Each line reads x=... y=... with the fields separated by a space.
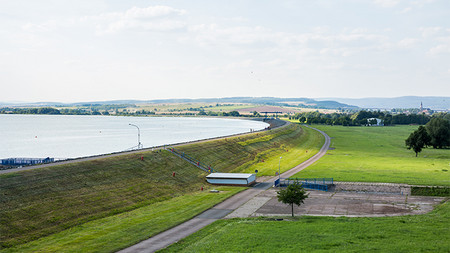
x=70 y=51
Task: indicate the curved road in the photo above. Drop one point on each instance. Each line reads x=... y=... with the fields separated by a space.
x=221 y=210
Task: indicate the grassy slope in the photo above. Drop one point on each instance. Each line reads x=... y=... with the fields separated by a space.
x=419 y=233
x=119 y=231
x=41 y=202
x=259 y=151
x=378 y=154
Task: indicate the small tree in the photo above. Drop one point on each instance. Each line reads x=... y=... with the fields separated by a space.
x=417 y=140
x=293 y=194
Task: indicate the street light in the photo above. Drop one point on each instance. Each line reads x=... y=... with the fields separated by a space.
x=279 y=171
x=139 y=136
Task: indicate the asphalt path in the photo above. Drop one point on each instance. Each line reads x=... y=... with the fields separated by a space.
x=219 y=211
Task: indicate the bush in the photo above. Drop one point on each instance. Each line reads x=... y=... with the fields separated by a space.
x=430 y=191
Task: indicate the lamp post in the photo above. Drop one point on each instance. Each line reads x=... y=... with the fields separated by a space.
x=139 y=136
x=279 y=171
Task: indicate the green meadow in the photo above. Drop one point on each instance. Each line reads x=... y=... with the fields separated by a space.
x=371 y=154
x=416 y=233
x=379 y=154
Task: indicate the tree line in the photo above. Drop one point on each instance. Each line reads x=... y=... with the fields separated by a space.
x=436 y=133
x=361 y=118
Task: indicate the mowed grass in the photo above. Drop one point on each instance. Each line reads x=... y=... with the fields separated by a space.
x=259 y=151
x=420 y=233
x=40 y=202
x=379 y=154
x=119 y=231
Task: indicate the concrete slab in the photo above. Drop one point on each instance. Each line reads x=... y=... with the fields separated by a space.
x=345 y=204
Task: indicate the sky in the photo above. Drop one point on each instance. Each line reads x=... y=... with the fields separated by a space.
x=91 y=50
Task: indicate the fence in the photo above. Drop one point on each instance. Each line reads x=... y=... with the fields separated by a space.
x=322 y=184
x=26 y=161
x=192 y=160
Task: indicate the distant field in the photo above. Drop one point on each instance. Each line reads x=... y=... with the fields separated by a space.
x=229 y=108
x=378 y=154
x=184 y=107
x=243 y=108
x=172 y=106
x=418 y=233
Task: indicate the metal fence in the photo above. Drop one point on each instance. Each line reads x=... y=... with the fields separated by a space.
x=322 y=184
x=192 y=160
x=26 y=161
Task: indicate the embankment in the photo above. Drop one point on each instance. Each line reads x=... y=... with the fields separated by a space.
x=44 y=201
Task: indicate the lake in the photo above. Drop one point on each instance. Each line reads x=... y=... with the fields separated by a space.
x=72 y=136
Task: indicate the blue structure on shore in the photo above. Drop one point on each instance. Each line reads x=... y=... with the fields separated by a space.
x=321 y=184
x=26 y=161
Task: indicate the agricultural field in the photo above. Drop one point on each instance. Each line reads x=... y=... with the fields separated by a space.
x=189 y=107
x=379 y=154
x=418 y=233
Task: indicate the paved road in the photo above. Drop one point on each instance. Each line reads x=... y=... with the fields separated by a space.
x=221 y=210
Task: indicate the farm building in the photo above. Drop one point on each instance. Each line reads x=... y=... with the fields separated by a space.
x=237 y=179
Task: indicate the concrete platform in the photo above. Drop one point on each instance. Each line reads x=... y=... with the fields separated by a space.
x=338 y=204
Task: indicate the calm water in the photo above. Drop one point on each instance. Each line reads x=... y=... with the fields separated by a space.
x=70 y=136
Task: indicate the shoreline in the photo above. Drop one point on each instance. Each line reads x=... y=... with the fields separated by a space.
x=273 y=124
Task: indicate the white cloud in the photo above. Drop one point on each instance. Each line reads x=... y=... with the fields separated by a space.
x=400 y=3
x=157 y=18
x=430 y=31
x=407 y=43
x=440 y=49
x=421 y=3
x=406 y=10
x=386 y=3
x=152 y=12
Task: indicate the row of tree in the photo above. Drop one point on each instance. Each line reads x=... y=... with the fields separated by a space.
x=361 y=118
x=435 y=133
x=49 y=111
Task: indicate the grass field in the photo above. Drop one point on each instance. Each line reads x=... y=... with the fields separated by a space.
x=378 y=154
x=259 y=151
x=39 y=202
x=61 y=200
x=118 y=231
x=421 y=233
